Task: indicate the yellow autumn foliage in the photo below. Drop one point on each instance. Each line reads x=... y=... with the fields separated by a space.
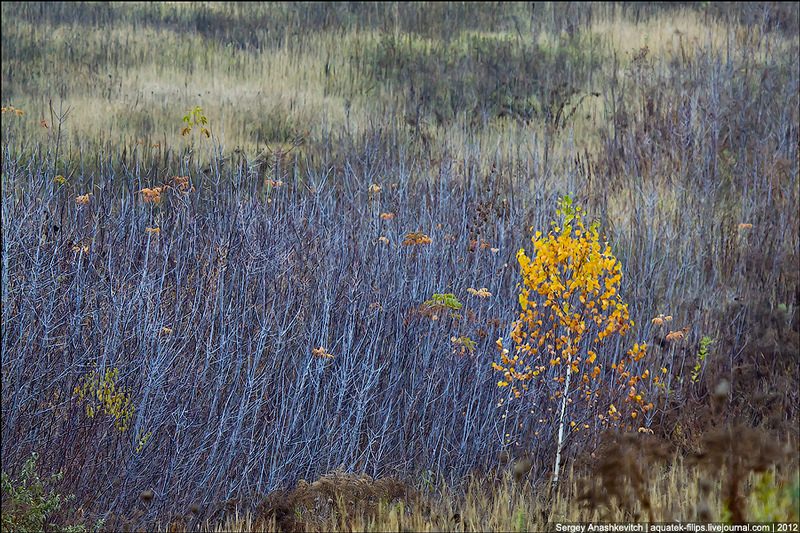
x=569 y=299
x=102 y=394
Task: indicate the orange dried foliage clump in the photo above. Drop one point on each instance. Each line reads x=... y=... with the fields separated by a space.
x=181 y=183
x=152 y=195
x=661 y=319
x=82 y=199
x=480 y=293
x=321 y=353
x=12 y=109
x=416 y=238
x=476 y=244
x=679 y=335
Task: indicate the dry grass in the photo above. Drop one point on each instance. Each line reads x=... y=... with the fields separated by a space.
x=669 y=489
x=677 y=34
x=148 y=76
x=248 y=96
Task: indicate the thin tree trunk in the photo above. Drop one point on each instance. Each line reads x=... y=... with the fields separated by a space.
x=561 y=426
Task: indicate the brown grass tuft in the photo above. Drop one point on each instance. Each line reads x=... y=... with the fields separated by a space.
x=336 y=497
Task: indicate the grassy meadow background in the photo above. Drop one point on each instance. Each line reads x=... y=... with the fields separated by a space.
x=335 y=130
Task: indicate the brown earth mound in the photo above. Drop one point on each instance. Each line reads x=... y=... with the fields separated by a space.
x=334 y=497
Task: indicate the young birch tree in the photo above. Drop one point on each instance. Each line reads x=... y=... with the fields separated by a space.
x=570 y=310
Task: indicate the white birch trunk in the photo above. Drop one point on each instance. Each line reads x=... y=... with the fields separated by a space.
x=557 y=467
